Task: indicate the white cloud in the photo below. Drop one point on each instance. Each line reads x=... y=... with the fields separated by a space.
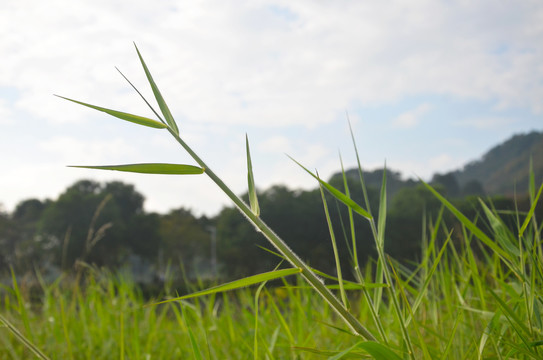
x=411 y=118
x=255 y=64
x=260 y=64
x=5 y=113
x=276 y=144
x=427 y=167
x=75 y=151
x=487 y=123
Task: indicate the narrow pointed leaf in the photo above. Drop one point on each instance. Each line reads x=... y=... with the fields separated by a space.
x=238 y=284
x=379 y=351
x=253 y=200
x=468 y=224
x=381 y=222
x=152 y=168
x=502 y=235
x=23 y=339
x=122 y=115
x=338 y=194
x=531 y=212
x=194 y=344
x=158 y=96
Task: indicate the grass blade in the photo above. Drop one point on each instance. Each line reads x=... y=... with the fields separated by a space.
x=140 y=120
x=502 y=234
x=253 y=199
x=23 y=339
x=237 y=284
x=469 y=225
x=530 y=212
x=150 y=168
x=334 y=248
x=356 y=265
x=338 y=194
x=378 y=351
x=158 y=96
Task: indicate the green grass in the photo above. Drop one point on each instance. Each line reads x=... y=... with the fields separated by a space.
x=454 y=305
x=475 y=294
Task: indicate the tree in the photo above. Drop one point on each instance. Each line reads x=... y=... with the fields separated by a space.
x=404 y=220
x=449 y=182
x=186 y=240
x=9 y=236
x=101 y=224
x=473 y=188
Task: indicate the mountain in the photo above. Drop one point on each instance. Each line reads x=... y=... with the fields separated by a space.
x=500 y=171
x=506 y=167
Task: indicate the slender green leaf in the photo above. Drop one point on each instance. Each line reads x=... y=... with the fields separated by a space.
x=150 y=168
x=324 y=352
x=379 y=351
x=354 y=252
x=515 y=321
x=122 y=115
x=237 y=284
x=501 y=233
x=334 y=248
x=23 y=339
x=158 y=96
x=141 y=95
x=490 y=328
x=345 y=352
x=468 y=224
x=381 y=222
x=338 y=194
x=530 y=213
x=253 y=199
x=194 y=345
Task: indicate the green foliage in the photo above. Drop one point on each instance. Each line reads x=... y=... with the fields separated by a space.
x=185 y=239
x=165 y=169
x=70 y=224
x=122 y=115
x=479 y=296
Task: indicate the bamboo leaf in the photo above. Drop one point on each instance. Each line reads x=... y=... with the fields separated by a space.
x=152 y=168
x=338 y=194
x=122 y=115
x=237 y=284
x=253 y=200
x=158 y=96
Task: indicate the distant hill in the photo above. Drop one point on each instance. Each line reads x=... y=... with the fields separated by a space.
x=501 y=170
x=507 y=166
x=375 y=178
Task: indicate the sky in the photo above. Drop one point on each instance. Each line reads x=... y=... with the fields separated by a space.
x=427 y=85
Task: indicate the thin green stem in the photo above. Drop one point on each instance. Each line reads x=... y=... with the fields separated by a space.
x=282 y=248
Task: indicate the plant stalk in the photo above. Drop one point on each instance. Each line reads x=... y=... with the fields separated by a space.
x=283 y=248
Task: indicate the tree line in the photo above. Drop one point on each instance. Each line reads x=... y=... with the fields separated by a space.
x=104 y=224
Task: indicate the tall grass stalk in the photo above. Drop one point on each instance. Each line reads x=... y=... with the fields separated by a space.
x=475 y=294
x=252 y=214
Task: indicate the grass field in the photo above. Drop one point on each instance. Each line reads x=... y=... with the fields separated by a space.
x=476 y=293
x=454 y=305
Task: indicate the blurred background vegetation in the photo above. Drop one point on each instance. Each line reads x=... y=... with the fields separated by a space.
x=104 y=224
